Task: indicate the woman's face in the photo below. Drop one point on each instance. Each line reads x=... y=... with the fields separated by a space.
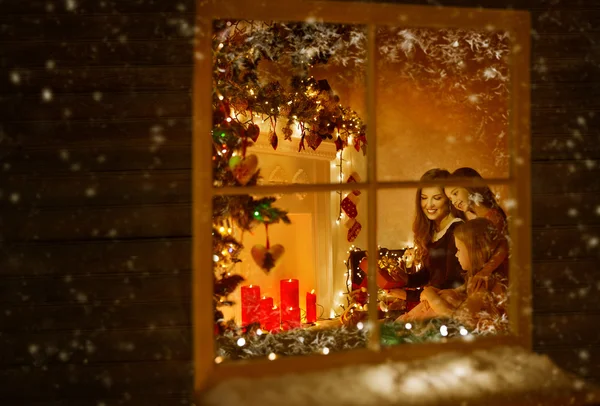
x=459 y=196
x=434 y=203
x=463 y=255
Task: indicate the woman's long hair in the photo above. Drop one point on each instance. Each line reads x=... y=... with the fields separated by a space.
x=423 y=228
x=481 y=238
x=483 y=194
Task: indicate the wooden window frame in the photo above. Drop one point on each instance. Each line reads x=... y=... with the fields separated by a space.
x=207 y=372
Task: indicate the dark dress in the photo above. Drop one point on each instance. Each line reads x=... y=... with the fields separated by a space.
x=441 y=269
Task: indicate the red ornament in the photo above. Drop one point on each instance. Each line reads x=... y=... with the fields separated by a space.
x=354 y=178
x=354 y=228
x=273 y=140
x=349 y=205
x=253 y=131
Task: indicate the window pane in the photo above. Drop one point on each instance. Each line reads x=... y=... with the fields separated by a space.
x=289 y=99
x=293 y=297
x=442 y=100
x=449 y=277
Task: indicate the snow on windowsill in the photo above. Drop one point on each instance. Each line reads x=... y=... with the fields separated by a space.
x=498 y=376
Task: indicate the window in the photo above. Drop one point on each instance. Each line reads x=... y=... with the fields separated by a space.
x=342 y=107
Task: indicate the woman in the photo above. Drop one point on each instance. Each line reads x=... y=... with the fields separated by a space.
x=479 y=202
x=476 y=242
x=433 y=228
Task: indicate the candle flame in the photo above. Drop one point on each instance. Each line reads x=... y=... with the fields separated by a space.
x=250 y=285
x=312 y=291
x=291 y=308
x=264 y=297
x=290 y=280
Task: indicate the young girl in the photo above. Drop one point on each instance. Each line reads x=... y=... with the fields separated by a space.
x=479 y=202
x=476 y=242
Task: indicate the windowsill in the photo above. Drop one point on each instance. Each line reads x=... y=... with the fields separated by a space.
x=499 y=376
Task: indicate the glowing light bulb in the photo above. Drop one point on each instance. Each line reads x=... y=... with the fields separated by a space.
x=241 y=342
x=272 y=356
x=463 y=331
x=218 y=360
x=259 y=332
x=444 y=331
x=359 y=325
x=408 y=326
x=216 y=258
x=325 y=350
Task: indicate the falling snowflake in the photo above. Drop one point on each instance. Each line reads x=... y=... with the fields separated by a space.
x=46 y=94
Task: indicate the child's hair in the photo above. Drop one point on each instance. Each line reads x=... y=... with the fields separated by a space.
x=481 y=238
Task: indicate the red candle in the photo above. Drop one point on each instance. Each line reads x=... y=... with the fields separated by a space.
x=311 y=307
x=290 y=303
x=250 y=304
x=269 y=314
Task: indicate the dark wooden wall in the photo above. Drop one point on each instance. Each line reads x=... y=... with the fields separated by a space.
x=95 y=196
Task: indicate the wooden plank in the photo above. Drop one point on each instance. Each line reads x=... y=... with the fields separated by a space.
x=111 y=105
x=164 y=220
x=558 y=209
x=73 y=187
x=146 y=145
x=97 y=346
x=576 y=121
x=20 y=55
x=71 y=258
x=566 y=177
x=83 y=134
x=121 y=314
x=565 y=95
x=96 y=257
x=157 y=151
x=565 y=329
x=151 y=153
x=132 y=287
x=566 y=243
x=565 y=273
x=115 y=27
x=583 y=298
x=100 y=79
x=96 y=381
x=97 y=188
x=93 y=7
x=568 y=145
x=148 y=221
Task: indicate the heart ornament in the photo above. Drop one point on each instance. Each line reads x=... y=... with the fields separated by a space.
x=266 y=258
x=244 y=169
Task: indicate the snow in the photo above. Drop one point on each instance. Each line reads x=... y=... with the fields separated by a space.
x=502 y=375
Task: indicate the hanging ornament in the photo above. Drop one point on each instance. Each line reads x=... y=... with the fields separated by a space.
x=253 y=131
x=244 y=169
x=349 y=205
x=354 y=178
x=266 y=257
x=354 y=228
x=273 y=140
x=313 y=140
